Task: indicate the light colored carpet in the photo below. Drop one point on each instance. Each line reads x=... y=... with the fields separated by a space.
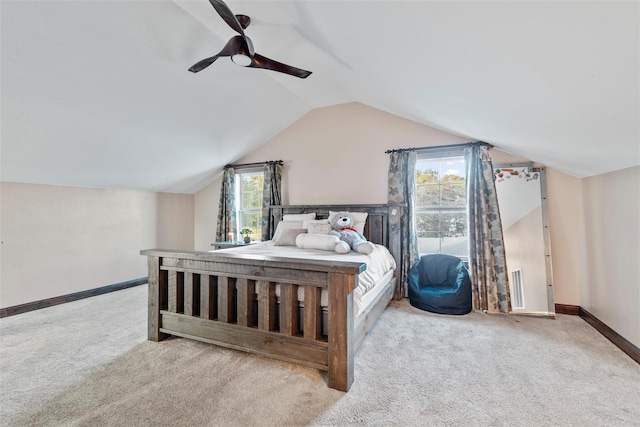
x=88 y=363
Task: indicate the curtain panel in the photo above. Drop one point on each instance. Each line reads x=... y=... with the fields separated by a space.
x=487 y=259
x=402 y=189
x=271 y=195
x=226 y=229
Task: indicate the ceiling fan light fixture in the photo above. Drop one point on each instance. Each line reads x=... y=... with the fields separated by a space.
x=241 y=59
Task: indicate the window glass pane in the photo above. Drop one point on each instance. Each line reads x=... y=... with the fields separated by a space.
x=454 y=233
x=453 y=223
x=453 y=182
x=248 y=200
x=427 y=172
x=428 y=224
x=457 y=246
x=429 y=245
x=452 y=169
x=251 y=220
x=453 y=195
x=251 y=191
x=249 y=207
x=427 y=195
x=427 y=184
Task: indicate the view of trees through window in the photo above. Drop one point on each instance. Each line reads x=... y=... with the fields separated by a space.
x=249 y=202
x=441 y=214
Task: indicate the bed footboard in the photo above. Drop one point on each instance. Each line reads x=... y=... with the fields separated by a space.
x=230 y=300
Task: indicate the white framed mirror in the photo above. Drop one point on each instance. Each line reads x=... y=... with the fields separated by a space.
x=522 y=198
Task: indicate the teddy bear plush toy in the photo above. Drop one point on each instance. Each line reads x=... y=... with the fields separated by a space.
x=342 y=226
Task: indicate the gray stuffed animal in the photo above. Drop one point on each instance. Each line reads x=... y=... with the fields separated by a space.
x=342 y=225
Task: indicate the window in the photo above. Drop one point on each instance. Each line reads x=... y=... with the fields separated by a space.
x=441 y=207
x=249 y=202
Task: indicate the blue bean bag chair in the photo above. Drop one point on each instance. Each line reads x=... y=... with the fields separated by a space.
x=440 y=284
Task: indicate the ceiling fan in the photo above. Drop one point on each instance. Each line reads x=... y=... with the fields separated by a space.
x=240 y=48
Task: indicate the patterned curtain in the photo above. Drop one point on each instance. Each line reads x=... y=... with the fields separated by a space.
x=402 y=189
x=487 y=260
x=226 y=229
x=271 y=195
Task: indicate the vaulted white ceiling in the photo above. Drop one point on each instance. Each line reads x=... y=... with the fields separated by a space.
x=97 y=93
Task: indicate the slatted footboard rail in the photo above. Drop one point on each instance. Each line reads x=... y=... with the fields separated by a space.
x=230 y=300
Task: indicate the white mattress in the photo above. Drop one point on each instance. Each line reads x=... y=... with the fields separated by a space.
x=380 y=266
x=365 y=299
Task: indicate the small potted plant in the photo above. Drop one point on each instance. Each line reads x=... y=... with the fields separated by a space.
x=245 y=232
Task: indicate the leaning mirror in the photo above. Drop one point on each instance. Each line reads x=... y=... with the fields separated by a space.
x=522 y=198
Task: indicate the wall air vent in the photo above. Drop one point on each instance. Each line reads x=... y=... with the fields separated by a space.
x=517 y=290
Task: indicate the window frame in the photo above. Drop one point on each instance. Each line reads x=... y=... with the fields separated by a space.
x=241 y=209
x=456 y=209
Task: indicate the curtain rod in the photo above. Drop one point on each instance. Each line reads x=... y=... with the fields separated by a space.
x=465 y=144
x=248 y=165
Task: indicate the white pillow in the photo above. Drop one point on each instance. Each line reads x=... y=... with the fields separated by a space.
x=323 y=242
x=288 y=236
x=298 y=217
x=359 y=219
x=286 y=225
x=307 y=222
x=315 y=228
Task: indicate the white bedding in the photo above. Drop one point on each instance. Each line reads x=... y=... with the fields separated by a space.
x=379 y=264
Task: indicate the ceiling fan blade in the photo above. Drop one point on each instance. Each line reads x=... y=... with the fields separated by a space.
x=233 y=46
x=226 y=14
x=201 y=65
x=259 y=61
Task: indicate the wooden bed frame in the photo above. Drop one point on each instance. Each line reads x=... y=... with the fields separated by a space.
x=211 y=297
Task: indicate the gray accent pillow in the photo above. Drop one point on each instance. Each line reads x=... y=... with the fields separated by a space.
x=288 y=236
